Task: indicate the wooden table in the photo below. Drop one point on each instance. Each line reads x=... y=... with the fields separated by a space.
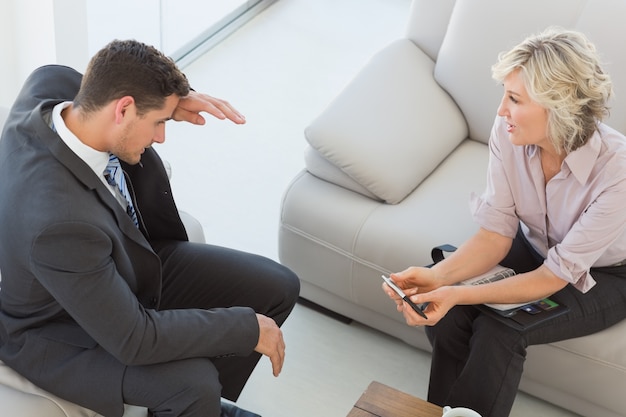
x=379 y=400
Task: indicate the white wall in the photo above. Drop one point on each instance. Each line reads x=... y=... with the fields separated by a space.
x=69 y=32
x=39 y=32
x=7 y=69
x=122 y=19
x=27 y=42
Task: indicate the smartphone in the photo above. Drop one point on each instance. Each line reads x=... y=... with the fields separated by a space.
x=419 y=310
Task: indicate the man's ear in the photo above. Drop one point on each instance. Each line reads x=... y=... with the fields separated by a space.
x=122 y=106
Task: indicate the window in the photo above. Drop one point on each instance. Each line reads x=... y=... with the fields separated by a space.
x=182 y=29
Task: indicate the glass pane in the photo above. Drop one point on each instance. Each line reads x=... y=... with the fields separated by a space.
x=174 y=26
x=186 y=23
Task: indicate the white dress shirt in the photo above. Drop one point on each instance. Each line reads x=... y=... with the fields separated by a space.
x=96 y=160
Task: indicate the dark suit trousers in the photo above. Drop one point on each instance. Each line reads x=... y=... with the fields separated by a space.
x=477 y=361
x=205 y=276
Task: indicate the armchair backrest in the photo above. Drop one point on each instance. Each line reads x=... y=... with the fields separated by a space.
x=464 y=37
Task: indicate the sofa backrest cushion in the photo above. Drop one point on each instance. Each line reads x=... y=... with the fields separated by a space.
x=479 y=30
x=385 y=135
x=427 y=24
x=604 y=22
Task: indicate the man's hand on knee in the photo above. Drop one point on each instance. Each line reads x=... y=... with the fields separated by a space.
x=271 y=343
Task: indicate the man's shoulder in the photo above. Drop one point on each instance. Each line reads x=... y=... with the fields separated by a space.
x=54 y=70
x=49 y=83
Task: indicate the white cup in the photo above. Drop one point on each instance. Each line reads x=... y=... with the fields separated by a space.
x=459 y=412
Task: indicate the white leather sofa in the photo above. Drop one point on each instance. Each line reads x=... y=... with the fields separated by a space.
x=21 y=398
x=392 y=160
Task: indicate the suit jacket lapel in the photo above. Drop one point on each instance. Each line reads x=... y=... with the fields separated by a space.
x=84 y=175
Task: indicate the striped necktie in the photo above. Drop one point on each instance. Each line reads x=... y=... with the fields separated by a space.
x=115 y=176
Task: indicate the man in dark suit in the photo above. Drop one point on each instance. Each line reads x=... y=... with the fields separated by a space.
x=93 y=307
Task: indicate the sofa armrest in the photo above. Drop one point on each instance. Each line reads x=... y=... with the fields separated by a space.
x=391 y=126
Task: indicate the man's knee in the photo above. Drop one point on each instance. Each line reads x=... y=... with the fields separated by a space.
x=290 y=285
x=281 y=289
x=188 y=387
x=201 y=396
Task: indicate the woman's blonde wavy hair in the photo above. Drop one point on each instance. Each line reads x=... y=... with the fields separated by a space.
x=562 y=73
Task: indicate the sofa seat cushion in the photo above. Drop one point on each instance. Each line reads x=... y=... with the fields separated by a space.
x=358 y=238
x=581 y=363
x=389 y=153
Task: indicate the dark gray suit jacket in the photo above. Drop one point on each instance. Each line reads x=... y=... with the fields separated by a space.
x=80 y=284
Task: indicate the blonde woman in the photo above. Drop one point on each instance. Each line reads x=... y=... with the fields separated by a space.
x=553 y=210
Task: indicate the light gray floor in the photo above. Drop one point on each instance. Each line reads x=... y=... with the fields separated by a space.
x=281 y=70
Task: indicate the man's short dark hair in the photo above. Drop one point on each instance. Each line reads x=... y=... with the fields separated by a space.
x=130 y=68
